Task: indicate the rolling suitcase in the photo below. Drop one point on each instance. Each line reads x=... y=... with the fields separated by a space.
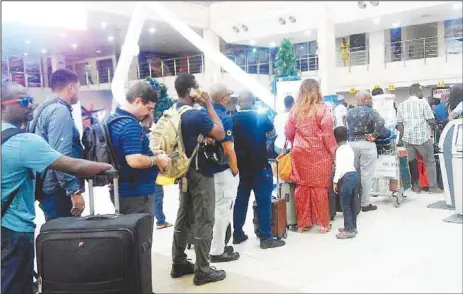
x=278 y=215
x=335 y=200
x=286 y=192
x=97 y=253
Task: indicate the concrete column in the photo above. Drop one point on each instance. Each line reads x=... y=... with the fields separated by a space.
x=376 y=50
x=441 y=38
x=211 y=69
x=57 y=62
x=326 y=49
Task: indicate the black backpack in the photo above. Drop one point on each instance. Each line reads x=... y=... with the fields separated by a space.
x=98 y=146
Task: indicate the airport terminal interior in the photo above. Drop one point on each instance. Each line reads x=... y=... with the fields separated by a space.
x=383 y=54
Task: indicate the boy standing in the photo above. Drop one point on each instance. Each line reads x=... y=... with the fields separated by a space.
x=345 y=183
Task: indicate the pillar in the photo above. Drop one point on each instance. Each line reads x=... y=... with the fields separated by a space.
x=211 y=69
x=376 y=50
x=326 y=49
x=57 y=62
x=441 y=38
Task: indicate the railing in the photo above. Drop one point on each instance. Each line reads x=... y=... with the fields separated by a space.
x=308 y=63
x=422 y=48
x=355 y=56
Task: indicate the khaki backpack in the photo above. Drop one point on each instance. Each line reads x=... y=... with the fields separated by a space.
x=166 y=135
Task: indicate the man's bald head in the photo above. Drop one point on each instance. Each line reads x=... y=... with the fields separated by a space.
x=246 y=99
x=220 y=94
x=444 y=97
x=12 y=91
x=364 y=97
x=13 y=112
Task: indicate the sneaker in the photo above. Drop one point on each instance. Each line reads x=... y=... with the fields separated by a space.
x=239 y=239
x=435 y=190
x=342 y=230
x=416 y=190
x=369 y=207
x=182 y=269
x=271 y=243
x=163 y=226
x=225 y=257
x=345 y=235
x=214 y=275
x=229 y=249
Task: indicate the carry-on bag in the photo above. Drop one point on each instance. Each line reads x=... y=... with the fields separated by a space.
x=286 y=191
x=96 y=253
x=278 y=215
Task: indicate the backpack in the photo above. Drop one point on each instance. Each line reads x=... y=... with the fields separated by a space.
x=166 y=135
x=98 y=146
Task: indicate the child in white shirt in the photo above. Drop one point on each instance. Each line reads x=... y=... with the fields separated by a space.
x=345 y=183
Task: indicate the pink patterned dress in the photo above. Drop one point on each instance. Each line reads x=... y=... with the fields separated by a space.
x=313 y=150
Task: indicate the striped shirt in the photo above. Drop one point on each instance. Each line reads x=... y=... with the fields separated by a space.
x=128 y=138
x=414 y=114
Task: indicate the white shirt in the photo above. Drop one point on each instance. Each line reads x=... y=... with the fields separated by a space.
x=340 y=111
x=344 y=161
x=280 y=122
x=414 y=113
x=458 y=110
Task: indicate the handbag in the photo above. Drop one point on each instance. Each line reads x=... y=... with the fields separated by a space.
x=285 y=164
x=164 y=181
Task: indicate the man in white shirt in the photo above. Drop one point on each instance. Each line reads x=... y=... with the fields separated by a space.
x=340 y=112
x=280 y=121
x=414 y=116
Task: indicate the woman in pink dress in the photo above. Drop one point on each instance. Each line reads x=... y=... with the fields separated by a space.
x=310 y=131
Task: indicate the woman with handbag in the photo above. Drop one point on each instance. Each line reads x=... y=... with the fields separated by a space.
x=310 y=131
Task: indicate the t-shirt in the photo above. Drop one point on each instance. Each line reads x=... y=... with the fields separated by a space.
x=441 y=112
x=194 y=123
x=458 y=110
x=22 y=156
x=227 y=127
x=344 y=161
x=249 y=129
x=280 y=122
x=128 y=138
x=340 y=111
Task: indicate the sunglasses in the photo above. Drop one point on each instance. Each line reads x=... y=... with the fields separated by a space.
x=24 y=102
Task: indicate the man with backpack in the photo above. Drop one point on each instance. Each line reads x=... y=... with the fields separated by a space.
x=60 y=194
x=197 y=197
x=23 y=155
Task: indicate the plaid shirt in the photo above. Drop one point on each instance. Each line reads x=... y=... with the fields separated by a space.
x=414 y=114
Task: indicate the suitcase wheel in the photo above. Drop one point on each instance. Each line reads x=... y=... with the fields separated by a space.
x=285 y=235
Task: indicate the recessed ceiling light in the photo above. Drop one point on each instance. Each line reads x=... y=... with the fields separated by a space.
x=307 y=33
x=272 y=44
x=98 y=51
x=457 y=6
x=63 y=36
x=104 y=25
x=152 y=30
x=74 y=45
x=377 y=20
x=44 y=51
x=374 y=3
x=282 y=21
x=361 y=4
x=254 y=50
x=292 y=19
x=252 y=42
x=27 y=42
x=396 y=24
x=235 y=29
x=245 y=28
x=25 y=53
x=110 y=38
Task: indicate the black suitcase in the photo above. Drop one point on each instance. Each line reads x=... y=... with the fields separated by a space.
x=96 y=254
x=335 y=199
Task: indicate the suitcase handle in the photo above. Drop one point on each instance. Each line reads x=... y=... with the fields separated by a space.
x=99 y=217
x=114 y=174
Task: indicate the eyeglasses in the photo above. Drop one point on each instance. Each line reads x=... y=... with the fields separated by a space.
x=24 y=102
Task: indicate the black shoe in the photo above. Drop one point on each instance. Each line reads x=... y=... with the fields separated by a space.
x=182 y=269
x=225 y=257
x=369 y=207
x=212 y=276
x=229 y=249
x=239 y=239
x=271 y=243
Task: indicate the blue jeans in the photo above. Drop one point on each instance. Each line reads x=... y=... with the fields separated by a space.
x=17 y=261
x=261 y=183
x=55 y=205
x=158 y=205
x=347 y=189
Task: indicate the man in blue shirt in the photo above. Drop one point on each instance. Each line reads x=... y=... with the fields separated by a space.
x=198 y=201
x=225 y=179
x=138 y=164
x=250 y=130
x=53 y=121
x=23 y=155
x=440 y=111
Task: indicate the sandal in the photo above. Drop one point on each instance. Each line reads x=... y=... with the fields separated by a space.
x=324 y=230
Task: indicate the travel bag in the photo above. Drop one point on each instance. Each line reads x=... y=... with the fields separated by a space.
x=108 y=254
x=278 y=215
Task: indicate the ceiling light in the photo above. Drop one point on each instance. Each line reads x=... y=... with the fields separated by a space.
x=44 y=51
x=25 y=53
x=361 y=4
x=27 y=42
x=74 y=45
x=152 y=30
x=110 y=38
x=292 y=19
x=307 y=33
x=245 y=28
x=376 y=20
x=104 y=25
x=272 y=44
x=374 y=3
x=252 y=42
x=235 y=29
x=302 y=47
x=254 y=50
x=457 y=6
x=63 y=36
x=98 y=51
x=396 y=24
x=282 y=21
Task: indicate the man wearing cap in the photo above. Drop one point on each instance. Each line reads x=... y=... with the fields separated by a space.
x=225 y=179
x=340 y=113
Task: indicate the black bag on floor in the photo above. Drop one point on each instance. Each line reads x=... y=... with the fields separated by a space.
x=96 y=254
x=335 y=200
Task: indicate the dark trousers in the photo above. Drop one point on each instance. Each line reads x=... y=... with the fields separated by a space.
x=347 y=189
x=17 y=261
x=158 y=205
x=55 y=205
x=137 y=204
x=262 y=184
x=197 y=204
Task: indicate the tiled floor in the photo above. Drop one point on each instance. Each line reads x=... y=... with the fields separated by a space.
x=405 y=249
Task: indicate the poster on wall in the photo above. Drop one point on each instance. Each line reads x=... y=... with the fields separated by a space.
x=33 y=73
x=16 y=64
x=454 y=38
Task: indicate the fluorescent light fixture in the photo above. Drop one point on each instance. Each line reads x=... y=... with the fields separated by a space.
x=98 y=51
x=74 y=46
x=46 y=14
x=152 y=30
x=457 y=6
x=307 y=33
x=252 y=42
x=396 y=24
x=377 y=20
x=63 y=36
x=254 y=50
x=110 y=38
x=272 y=44
x=44 y=51
x=27 y=42
x=104 y=25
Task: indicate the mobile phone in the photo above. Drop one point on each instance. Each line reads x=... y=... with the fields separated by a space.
x=195 y=93
x=173 y=155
